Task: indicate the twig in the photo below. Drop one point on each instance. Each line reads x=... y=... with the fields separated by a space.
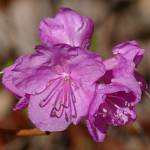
x=24 y=132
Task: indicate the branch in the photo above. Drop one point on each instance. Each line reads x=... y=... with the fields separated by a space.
x=23 y=132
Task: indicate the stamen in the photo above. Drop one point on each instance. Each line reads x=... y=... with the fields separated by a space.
x=44 y=102
x=57 y=114
x=49 y=84
x=66 y=117
x=72 y=104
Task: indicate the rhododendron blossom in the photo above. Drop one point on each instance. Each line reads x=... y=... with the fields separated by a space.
x=118 y=91
x=57 y=82
x=63 y=82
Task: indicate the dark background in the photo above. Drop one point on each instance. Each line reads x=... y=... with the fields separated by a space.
x=115 y=21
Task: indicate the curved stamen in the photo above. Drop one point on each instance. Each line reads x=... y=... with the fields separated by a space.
x=52 y=93
x=62 y=100
x=72 y=102
x=54 y=113
x=49 y=83
x=65 y=99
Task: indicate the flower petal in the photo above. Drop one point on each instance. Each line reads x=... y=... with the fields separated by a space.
x=29 y=74
x=41 y=109
x=8 y=82
x=76 y=30
x=110 y=107
x=130 y=50
x=97 y=135
x=71 y=93
x=60 y=105
x=23 y=102
x=117 y=108
x=122 y=73
x=88 y=71
x=83 y=96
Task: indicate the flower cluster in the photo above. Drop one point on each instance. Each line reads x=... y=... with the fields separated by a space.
x=63 y=82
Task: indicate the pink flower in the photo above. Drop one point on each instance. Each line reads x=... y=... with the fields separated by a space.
x=56 y=84
x=118 y=91
x=62 y=82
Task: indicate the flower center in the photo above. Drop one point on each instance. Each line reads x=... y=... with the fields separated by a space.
x=65 y=76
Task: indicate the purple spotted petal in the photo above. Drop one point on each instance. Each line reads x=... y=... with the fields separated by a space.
x=117 y=109
x=112 y=106
x=67 y=27
x=130 y=50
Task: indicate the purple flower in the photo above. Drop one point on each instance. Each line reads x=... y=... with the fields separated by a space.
x=55 y=83
x=62 y=82
x=113 y=106
x=67 y=27
x=118 y=91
